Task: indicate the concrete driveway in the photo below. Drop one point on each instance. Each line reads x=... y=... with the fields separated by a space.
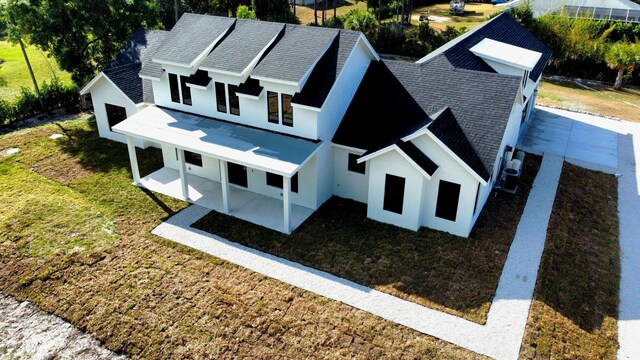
x=584 y=140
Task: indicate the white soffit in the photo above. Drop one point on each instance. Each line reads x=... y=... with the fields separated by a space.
x=506 y=54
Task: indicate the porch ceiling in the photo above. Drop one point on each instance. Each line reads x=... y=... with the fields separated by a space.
x=254 y=148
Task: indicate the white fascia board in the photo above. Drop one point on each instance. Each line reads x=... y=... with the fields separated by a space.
x=278 y=81
x=413 y=163
x=305 y=77
x=151 y=77
x=219 y=71
x=306 y=107
x=506 y=54
x=375 y=154
x=103 y=75
x=171 y=63
x=247 y=96
x=195 y=86
x=416 y=134
x=368 y=45
x=456 y=158
x=357 y=151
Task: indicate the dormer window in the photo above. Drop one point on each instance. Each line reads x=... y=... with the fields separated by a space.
x=279 y=108
x=176 y=91
x=173 y=87
x=287 y=110
x=234 y=100
x=221 y=97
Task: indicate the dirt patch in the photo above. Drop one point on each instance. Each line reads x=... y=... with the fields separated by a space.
x=62 y=168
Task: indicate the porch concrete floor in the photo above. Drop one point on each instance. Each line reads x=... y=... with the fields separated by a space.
x=246 y=205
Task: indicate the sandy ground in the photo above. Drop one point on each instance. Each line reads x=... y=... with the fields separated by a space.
x=29 y=333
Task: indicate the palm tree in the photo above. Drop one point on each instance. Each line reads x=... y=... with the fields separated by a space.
x=622 y=56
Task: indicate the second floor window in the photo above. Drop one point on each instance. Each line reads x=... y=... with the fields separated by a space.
x=221 y=97
x=287 y=110
x=173 y=87
x=273 y=107
x=234 y=100
x=186 y=91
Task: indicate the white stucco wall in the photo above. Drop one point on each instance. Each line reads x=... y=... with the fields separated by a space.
x=104 y=92
x=343 y=90
x=324 y=163
x=394 y=164
x=349 y=184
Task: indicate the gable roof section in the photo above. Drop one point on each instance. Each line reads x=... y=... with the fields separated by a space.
x=190 y=38
x=327 y=70
x=293 y=56
x=394 y=98
x=247 y=40
x=502 y=28
x=417 y=156
x=126 y=79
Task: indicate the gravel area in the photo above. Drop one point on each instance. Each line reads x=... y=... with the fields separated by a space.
x=29 y=333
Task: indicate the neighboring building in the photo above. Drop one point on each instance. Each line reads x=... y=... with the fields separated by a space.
x=267 y=121
x=616 y=10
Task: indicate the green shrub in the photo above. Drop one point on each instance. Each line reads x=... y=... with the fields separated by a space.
x=54 y=95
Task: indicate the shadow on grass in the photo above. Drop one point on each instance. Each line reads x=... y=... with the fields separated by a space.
x=428 y=267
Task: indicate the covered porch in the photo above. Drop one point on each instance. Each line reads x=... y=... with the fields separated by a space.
x=229 y=144
x=247 y=205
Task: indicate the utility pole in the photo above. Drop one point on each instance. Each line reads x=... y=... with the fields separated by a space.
x=33 y=77
x=175 y=8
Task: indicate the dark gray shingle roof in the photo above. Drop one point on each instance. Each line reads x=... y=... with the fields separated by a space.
x=394 y=98
x=295 y=52
x=418 y=157
x=246 y=40
x=327 y=70
x=125 y=77
x=190 y=37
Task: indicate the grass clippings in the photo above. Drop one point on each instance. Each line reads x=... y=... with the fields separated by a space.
x=432 y=268
x=81 y=248
x=575 y=305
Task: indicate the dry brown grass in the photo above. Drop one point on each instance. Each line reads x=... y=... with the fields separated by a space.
x=623 y=104
x=432 y=268
x=575 y=305
x=152 y=298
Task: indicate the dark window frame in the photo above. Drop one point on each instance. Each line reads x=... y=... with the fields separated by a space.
x=277 y=181
x=444 y=203
x=221 y=97
x=174 y=88
x=186 y=91
x=273 y=116
x=393 y=198
x=192 y=158
x=287 y=110
x=115 y=114
x=234 y=100
x=353 y=166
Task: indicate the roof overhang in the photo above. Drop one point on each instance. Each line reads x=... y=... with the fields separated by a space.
x=399 y=151
x=102 y=75
x=506 y=54
x=257 y=149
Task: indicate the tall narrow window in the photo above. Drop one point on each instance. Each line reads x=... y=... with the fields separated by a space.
x=115 y=114
x=234 y=101
x=173 y=87
x=447 y=203
x=272 y=107
x=393 y=193
x=186 y=91
x=287 y=110
x=221 y=97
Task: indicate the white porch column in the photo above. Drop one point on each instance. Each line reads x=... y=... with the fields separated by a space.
x=286 y=202
x=133 y=158
x=224 y=180
x=183 y=175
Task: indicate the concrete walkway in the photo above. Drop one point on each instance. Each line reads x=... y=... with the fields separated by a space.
x=29 y=333
x=500 y=338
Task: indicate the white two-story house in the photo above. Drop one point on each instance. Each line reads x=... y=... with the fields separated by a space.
x=266 y=121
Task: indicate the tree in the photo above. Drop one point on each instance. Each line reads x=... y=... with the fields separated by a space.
x=622 y=56
x=361 y=20
x=275 y=10
x=243 y=12
x=82 y=35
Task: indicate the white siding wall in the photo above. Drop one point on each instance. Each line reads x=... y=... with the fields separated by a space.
x=256 y=179
x=394 y=164
x=343 y=91
x=325 y=174
x=104 y=92
x=452 y=171
x=349 y=184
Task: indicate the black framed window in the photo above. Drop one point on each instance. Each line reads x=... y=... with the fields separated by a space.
x=287 y=110
x=393 y=193
x=272 y=107
x=115 y=114
x=186 y=91
x=276 y=180
x=447 y=203
x=192 y=158
x=354 y=166
x=173 y=87
x=221 y=97
x=234 y=100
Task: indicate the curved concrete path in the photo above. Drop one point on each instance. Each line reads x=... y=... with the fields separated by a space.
x=500 y=338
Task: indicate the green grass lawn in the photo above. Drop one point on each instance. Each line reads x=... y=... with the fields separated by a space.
x=75 y=240
x=305 y=13
x=475 y=14
x=14 y=73
x=575 y=305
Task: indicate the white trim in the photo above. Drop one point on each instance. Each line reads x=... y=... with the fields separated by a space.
x=103 y=75
x=368 y=44
x=286 y=203
x=401 y=153
x=349 y=148
x=306 y=107
x=415 y=134
x=223 y=72
x=184 y=184
x=133 y=159
x=151 y=77
x=375 y=154
x=224 y=179
x=268 y=79
x=195 y=86
x=252 y=97
x=313 y=153
x=456 y=158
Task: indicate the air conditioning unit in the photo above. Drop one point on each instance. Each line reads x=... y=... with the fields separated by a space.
x=511 y=177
